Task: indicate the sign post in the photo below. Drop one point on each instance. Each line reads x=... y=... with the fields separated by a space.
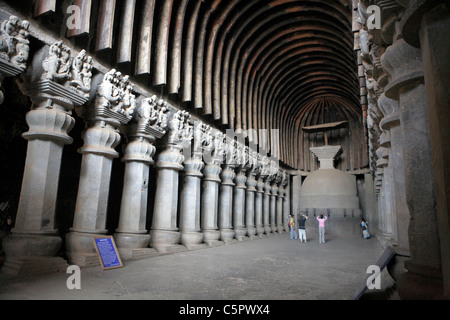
x=107 y=252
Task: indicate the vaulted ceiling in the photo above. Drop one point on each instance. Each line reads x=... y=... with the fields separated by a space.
x=240 y=64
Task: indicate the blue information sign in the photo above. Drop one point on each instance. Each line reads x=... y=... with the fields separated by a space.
x=107 y=252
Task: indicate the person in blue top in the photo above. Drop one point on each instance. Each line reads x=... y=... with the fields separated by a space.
x=365 y=229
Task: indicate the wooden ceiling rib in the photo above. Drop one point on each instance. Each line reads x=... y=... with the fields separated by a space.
x=241 y=64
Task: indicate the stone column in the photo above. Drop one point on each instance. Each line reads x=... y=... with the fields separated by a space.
x=391 y=124
x=148 y=124
x=104 y=118
x=250 y=204
x=424 y=277
x=295 y=193
x=35 y=241
x=386 y=192
x=226 y=194
x=286 y=202
x=273 y=204
x=267 y=204
x=280 y=201
x=210 y=192
x=239 y=196
x=426 y=24
x=259 y=206
x=15 y=50
x=164 y=231
x=190 y=198
x=226 y=204
x=190 y=201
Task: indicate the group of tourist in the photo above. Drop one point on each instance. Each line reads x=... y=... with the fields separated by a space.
x=301 y=222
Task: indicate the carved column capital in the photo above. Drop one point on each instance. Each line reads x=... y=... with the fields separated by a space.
x=56 y=80
x=114 y=103
x=219 y=149
x=14 y=48
x=149 y=122
x=404 y=65
x=179 y=136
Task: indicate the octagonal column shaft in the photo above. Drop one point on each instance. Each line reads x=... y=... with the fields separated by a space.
x=34 y=243
x=104 y=118
x=190 y=202
x=259 y=195
x=93 y=192
x=34 y=240
x=131 y=236
x=210 y=203
x=164 y=231
x=250 y=206
x=280 y=200
x=226 y=204
x=273 y=208
x=267 y=207
x=404 y=64
x=239 y=206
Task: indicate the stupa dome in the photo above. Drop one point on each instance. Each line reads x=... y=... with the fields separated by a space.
x=328 y=188
x=329 y=182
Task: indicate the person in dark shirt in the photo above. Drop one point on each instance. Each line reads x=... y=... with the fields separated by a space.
x=301 y=227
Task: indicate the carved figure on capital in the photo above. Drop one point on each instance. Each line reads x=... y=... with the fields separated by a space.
x=14 y=48
x=14 y=43
x=73 y=73
x=219 y=148
x=233 y=153
x=180 y=129
x=203 y=139
x=81 y=73
x=152 y=113
x=116 y=94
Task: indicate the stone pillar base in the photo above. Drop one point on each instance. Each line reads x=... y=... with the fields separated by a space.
x=83 y=259
x=131 y=240
x=240 y=233
x=211 y=235
x=81 y=250
x=260 y=231
x=23 y=245
x=31 y=266
x=280 y=229
x=420 y=283
x=268 y=230
x=251 y=232
x=130 y=254
x=227 y=235
x=192 y=240
x=161 y=240
x=214 y=243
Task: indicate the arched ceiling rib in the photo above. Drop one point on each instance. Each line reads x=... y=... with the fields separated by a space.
x=244 y=64
x=257 y=63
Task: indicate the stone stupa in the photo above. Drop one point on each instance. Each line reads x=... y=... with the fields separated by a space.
x=330 y=191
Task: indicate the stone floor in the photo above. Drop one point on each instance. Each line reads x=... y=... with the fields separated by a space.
x=270 y=268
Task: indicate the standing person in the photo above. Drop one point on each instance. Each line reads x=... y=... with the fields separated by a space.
x=301 y=227
x=322 y=220
x=365 y=229
x=292 y=228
